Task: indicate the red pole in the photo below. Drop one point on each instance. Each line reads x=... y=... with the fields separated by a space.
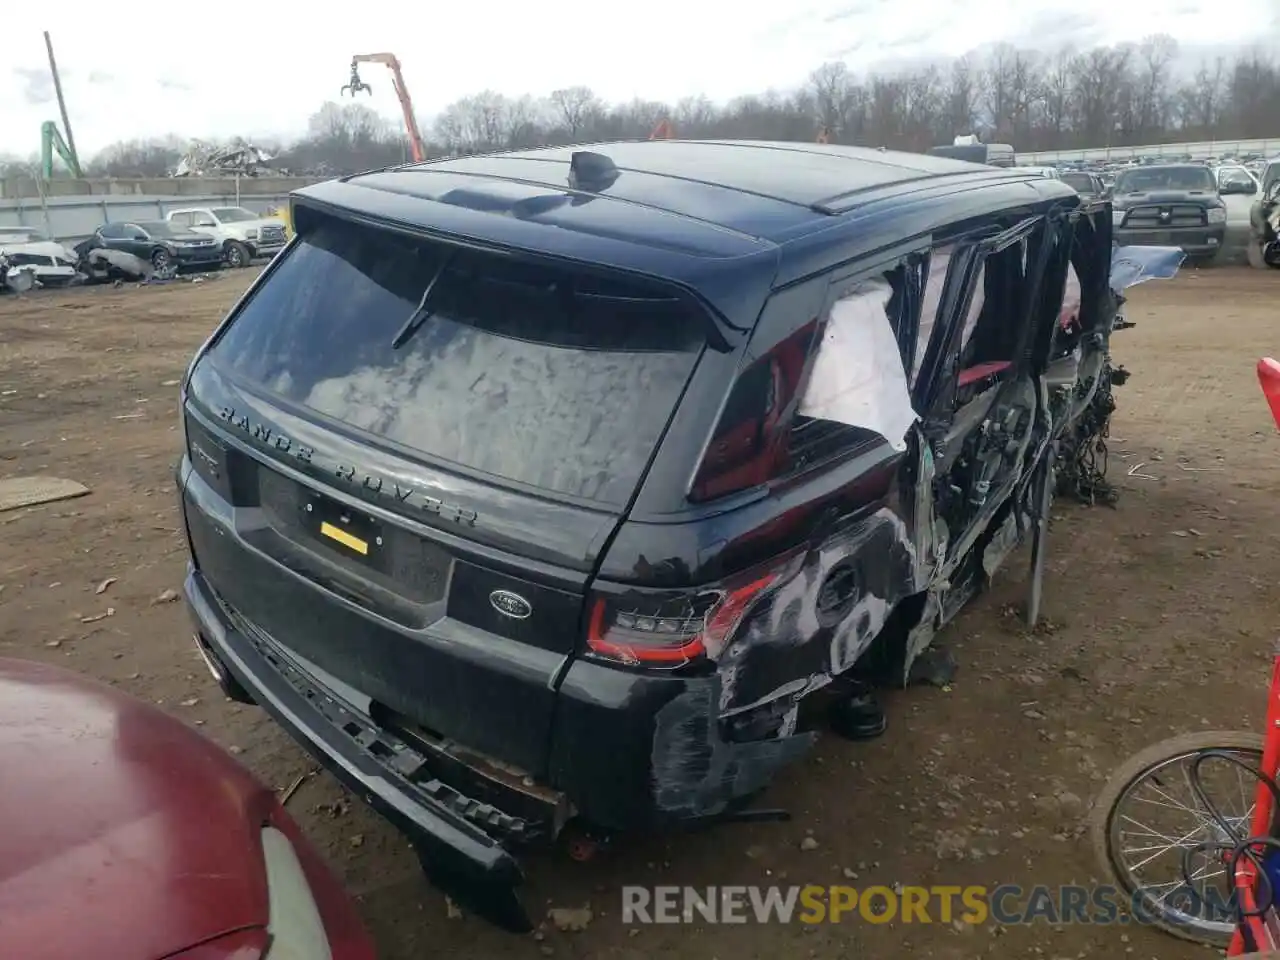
x=1269 y=377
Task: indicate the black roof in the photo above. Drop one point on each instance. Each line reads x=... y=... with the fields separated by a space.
x=696 y=212
x=796 y=173
x=759 y=188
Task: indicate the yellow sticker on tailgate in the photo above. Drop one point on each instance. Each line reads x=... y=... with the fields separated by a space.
x=344 y=538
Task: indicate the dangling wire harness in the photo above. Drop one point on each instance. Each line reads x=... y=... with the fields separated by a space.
x=1081 y=467
x=1082 y=452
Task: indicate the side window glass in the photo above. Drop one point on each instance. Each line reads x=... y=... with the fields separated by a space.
x=992 y=327
x=1071 y=297
x=748 y=445
x=816 y=394
x=746 y=449
x=976 y=303
x=181 y=219
x=857 y=393
x=109 y=230
x=931 y=299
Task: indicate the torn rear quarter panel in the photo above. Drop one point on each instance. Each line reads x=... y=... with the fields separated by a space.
x=697 y=772
x=726 y=735
x=957 y=510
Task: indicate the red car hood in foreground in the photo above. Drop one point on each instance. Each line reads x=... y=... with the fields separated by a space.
x=123 y=833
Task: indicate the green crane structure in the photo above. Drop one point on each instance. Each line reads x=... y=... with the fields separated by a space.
x=50 y=136
x=51 y=142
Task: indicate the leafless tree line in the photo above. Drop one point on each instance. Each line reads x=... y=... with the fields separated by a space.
x=1117 y=95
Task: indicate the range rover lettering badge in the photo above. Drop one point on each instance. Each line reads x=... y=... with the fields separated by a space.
x=510 y=604
x=370 y=484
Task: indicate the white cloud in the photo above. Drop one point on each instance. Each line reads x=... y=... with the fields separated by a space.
x=265 y=71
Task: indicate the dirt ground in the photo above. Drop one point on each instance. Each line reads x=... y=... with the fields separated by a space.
x=1162 y=613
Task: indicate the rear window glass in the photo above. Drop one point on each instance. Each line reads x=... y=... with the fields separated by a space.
x=1165 y=178
x=553 y=379
x=1080 y=182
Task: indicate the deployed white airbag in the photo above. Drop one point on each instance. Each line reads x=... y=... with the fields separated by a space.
x=857 y=377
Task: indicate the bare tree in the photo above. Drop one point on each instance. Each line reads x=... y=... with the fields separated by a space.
x=921 y=97
x=960 y=100
x=138 y=158
x=1155 y=57
x=1058 y=103
x=355 y=124
x=525 y=123
x=1099 y=83
x=885 y=110
x=576 y=107
x=998 y=83
x=695 y=116
x=1026 y=92
x=1202 y=98
x=834 y=97
x=1253 y=87
x=1105 y=96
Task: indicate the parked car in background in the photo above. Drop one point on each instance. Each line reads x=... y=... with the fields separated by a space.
x=1238 y=187
x=1235 y=180
x=1264 y=216
x=241 y=234
x=991 y=154
x=128 y=835
x=1086 y=184
x=539 y=491
x=159 y=243
x=1264 y=228
x=1170 y=205
x=31 y=250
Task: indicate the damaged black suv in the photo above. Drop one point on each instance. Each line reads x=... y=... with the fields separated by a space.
x=543 y=488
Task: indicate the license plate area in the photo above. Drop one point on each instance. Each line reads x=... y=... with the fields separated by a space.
x=343 y=530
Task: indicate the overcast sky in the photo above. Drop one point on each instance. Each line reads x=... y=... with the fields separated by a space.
x=261 y=69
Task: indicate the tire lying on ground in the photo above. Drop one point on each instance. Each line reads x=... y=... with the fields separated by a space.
x=1102 y=815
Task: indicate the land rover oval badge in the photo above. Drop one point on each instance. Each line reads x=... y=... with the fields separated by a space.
x=510 y=604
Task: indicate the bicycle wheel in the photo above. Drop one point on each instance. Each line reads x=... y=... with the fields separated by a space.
x=1147 y=817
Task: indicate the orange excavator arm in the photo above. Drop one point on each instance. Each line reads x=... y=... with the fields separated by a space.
x=663 y=131
x=355 y=85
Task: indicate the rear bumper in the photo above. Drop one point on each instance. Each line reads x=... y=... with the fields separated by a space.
x=457 y=855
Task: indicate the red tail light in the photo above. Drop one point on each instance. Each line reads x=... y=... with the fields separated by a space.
x=671 y=628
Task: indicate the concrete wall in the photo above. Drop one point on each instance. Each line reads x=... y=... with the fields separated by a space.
x=71 y=210
x=1207 y=148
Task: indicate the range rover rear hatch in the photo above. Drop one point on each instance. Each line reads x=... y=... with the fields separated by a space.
x=416 y=454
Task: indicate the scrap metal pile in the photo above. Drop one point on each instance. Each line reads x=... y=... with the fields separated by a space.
x=240 y=157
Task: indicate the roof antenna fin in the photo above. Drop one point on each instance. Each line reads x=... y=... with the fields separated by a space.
x=592 y=172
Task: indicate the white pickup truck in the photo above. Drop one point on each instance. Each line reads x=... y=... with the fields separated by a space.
x=244 y=235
